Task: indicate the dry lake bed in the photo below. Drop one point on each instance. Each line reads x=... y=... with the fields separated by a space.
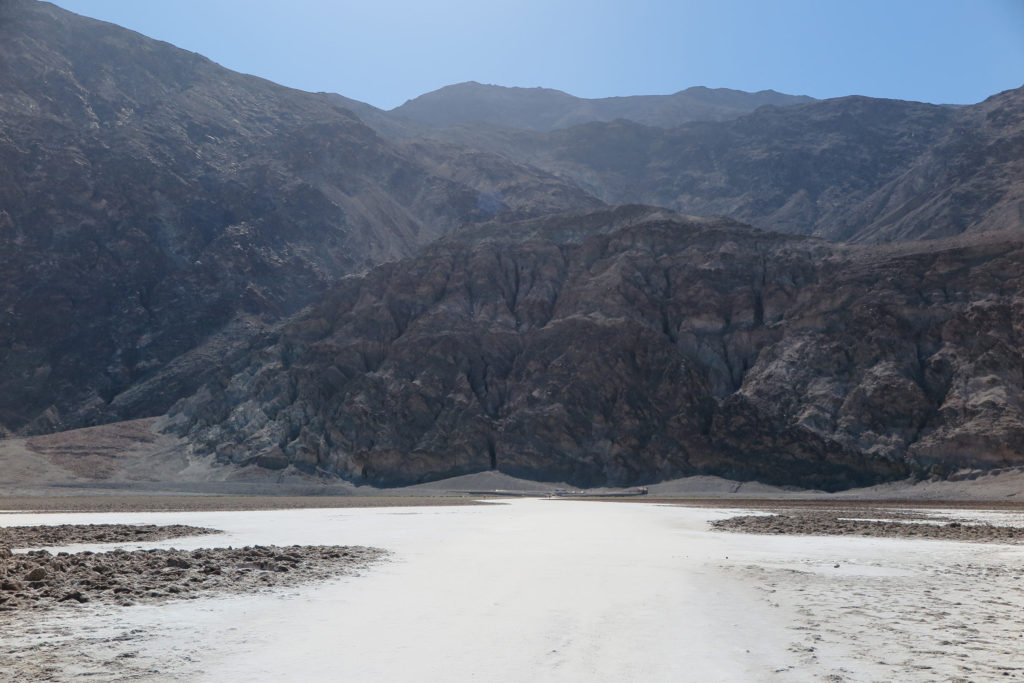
x=549 y=590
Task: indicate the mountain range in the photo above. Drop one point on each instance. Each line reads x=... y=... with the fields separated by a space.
x=853 y=169
x=544 y=109
x=504 y=278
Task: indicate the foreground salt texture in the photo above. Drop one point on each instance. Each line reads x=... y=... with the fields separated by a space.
x=554 y=590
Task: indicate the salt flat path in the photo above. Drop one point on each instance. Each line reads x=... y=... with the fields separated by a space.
x=543 y=590
x=557 y=590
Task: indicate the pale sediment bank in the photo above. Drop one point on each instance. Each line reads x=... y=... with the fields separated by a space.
x=214 y=503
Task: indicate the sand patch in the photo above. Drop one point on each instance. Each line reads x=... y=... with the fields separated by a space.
x=944 y=621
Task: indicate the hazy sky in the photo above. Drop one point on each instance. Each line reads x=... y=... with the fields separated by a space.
x=387 y=51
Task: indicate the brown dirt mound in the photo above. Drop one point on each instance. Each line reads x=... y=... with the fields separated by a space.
x=93 y=452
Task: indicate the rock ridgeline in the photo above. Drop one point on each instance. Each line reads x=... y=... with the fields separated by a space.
x=545 y=109
x=848 y=169
x=629 y=345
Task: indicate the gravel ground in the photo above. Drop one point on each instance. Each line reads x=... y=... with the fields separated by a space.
x=869 y=522
x=65 y=534
x=39 y=579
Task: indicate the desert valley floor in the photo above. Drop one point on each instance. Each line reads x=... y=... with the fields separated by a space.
x=552 y=590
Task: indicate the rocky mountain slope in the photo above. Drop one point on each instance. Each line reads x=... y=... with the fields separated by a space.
x=544 y=109
x=850 y=169
x=629 y=345
x=294 y=290
x=156 y=209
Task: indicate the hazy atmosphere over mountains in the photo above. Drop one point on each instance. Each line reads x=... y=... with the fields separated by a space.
x=505 y=278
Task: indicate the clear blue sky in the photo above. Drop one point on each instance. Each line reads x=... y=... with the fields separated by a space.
x=387 y=51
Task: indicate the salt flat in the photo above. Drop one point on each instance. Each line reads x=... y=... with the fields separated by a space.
x=556 y=590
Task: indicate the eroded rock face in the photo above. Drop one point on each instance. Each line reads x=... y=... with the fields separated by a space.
x=915 y=356
x=157 y=210
x=631 y=345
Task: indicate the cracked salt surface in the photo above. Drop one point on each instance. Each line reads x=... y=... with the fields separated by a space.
x=562 y=591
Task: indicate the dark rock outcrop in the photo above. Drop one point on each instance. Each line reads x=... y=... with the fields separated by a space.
x=630 y=345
